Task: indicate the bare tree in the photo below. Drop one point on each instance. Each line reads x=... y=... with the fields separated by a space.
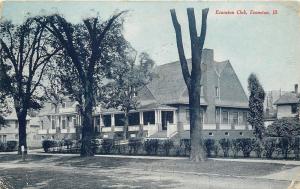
x=89 y=48
x=25 y=52
x=193 y=79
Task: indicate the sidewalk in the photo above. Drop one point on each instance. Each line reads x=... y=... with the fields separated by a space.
x=284 y=162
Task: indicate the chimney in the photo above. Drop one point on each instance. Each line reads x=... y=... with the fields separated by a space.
x=296 y=88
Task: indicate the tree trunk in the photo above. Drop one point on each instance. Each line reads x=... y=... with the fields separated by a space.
x=22 y=132
x=197 y=152
x=87 y=148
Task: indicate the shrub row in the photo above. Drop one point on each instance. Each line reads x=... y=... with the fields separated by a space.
x=283 y=147
x=9 y=146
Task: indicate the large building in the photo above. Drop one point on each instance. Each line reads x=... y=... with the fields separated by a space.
x=163 y=110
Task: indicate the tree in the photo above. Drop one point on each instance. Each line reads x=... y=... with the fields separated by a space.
x=256 y=106
x=192 y=79
x=25 y=51
x=128 y=80
x=89 y=49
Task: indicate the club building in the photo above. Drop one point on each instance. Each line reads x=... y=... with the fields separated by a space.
x=163 y=110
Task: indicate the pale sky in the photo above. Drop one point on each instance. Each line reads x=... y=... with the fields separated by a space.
x=267 y=45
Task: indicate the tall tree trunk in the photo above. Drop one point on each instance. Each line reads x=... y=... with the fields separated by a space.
x=197 y=152
x=193 y=79
x=22 y=132
x=87 y=148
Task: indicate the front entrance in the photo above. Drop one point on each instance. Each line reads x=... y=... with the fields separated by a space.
x=166 y=117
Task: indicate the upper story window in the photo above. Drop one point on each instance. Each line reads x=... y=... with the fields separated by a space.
x=217 y=91
x=63 y=105
x=16 y=124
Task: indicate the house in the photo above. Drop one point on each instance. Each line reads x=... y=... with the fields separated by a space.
x=164 y=113
x=10 y=132
x=59 y=121
x=163 y=110
x=287 y=104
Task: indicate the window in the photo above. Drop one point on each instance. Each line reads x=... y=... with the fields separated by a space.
x=245 y=115
x=201 y=90
x=149 y=117
x=4 y=138
x=63 y=123
x=226 y=134
x=187 y=112
x=234 y=118
x=294 y=108
x=241 y=134
x=119 y=119
x=217 y=116
x=16 y=124
x=53 y=123
x=210 y=134
x=107 y=120
x=225 y=117
x=134 y=92
x=217 y=91
x=63 y=105
x=0 y=138
x=16 y=136
x=134 y=118
x=74 y=121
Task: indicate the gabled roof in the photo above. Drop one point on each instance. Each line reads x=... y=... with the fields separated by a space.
x=168 y=87
x=288 y=98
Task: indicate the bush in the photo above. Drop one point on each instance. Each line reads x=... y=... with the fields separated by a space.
x=258 y=148
x=284 y=145
x=216 y=149
x=186 y=144
x=235 y=147
x=209 y=146
x=297 y=147
x=151 y=146
x=246 y=145
x=285 y=127
x=47 y=144
x=167 y=146
x=68 y=143
x=134 y=145
x=270 y=146
x=11 y=145
x=107 y=145
x=225 y=145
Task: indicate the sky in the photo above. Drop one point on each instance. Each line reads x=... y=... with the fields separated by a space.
x=267 y=45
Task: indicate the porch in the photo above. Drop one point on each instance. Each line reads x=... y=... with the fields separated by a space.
x=145 y=121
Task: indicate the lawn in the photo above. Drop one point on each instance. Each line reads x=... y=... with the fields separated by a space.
x=43 y=171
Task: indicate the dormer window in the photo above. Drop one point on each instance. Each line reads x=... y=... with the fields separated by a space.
x=217 y=91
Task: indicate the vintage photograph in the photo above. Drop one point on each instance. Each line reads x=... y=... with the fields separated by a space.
x=149 y=94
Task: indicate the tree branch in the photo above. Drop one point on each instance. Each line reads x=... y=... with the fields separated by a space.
x=183 y=62
x=203 y=27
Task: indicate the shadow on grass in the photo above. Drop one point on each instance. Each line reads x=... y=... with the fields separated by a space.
x=36 y=178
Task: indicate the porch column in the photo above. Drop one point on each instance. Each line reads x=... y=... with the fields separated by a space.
x=95 y=123
x=158 y=120
x=141 y=118
x=174 y=117
x=101 y=123
x=113 y=122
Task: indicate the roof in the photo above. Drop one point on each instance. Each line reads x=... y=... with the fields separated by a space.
x=288 y=98
x=168 y=85
x=156 y=106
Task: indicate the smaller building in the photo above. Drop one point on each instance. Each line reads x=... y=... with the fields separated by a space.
x=10 y=131
x=287 y=104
